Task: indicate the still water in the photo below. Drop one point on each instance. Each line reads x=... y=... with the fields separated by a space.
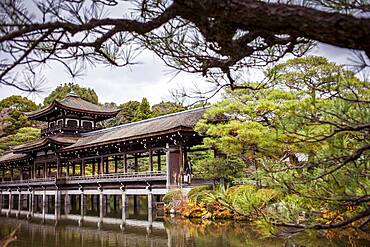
x=141 y=227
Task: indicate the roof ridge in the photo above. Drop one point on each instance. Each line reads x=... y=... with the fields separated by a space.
x=102 y=131
x=102 y=106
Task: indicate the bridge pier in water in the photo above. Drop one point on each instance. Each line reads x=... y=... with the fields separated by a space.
x=81 y=205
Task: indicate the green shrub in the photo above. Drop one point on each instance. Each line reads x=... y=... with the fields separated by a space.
x=198 y=194
x=248 y=199
x=172 y=196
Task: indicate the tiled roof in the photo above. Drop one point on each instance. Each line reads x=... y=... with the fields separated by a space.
x=148 y=127
x=74 y=103
x=61 y=139
x=9 y=157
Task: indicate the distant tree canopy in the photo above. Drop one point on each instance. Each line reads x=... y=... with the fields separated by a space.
x=23 y=135
x=133 y=111
x=11 y=114
x=143 y=111
x=128 y=111
x=19 y=103
x=166 y=107
x=62 y=91
x=211 y=37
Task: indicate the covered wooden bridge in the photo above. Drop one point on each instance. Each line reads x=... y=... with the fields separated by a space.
x=73 y=156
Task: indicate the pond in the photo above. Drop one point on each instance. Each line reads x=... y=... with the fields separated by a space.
x=166 y=231
x=110 y=224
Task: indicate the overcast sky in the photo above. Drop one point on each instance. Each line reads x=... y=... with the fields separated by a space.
x=150 y=79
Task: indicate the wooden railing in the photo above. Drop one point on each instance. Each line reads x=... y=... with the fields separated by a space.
x=118 y=175
x=112 y=177
x=30 y=181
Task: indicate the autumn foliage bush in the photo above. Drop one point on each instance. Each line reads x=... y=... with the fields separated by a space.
x=235 y=202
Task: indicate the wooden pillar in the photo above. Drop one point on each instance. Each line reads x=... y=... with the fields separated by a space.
x=30 y=202
x=20 y=173
x=114 y=202
x=168 y=170
x=102 y=204
x=10 y=201
x=67 y=169
x=67 y=203
x=82 y=168
x=34 y=170
x=64 y=119
x=58 y=167
x=1 y=200
x=45 y=170
x=136 y=163
x=101 y=166
x=73 y=169
x=107 y=165
x=93 y=167
x=136 y=203
x=150 y=160
x=181 y=166
x=150 y=200
x=159 y=161
x=124 y=163
x=115 y=164
x=44 y=198
x=2 y=174
x=82 y=205
x=173 y=166
x=124 y=205
x=57 y=204
x=19 y=201
x=32 y=209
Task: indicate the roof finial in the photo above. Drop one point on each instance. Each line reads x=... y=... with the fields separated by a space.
x=72 y=93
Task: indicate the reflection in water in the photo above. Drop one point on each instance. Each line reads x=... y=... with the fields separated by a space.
x=104 y=222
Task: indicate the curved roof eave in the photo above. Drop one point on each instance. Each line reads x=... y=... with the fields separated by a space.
x=12 y=157
x=42 y=142
x=58 y=103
